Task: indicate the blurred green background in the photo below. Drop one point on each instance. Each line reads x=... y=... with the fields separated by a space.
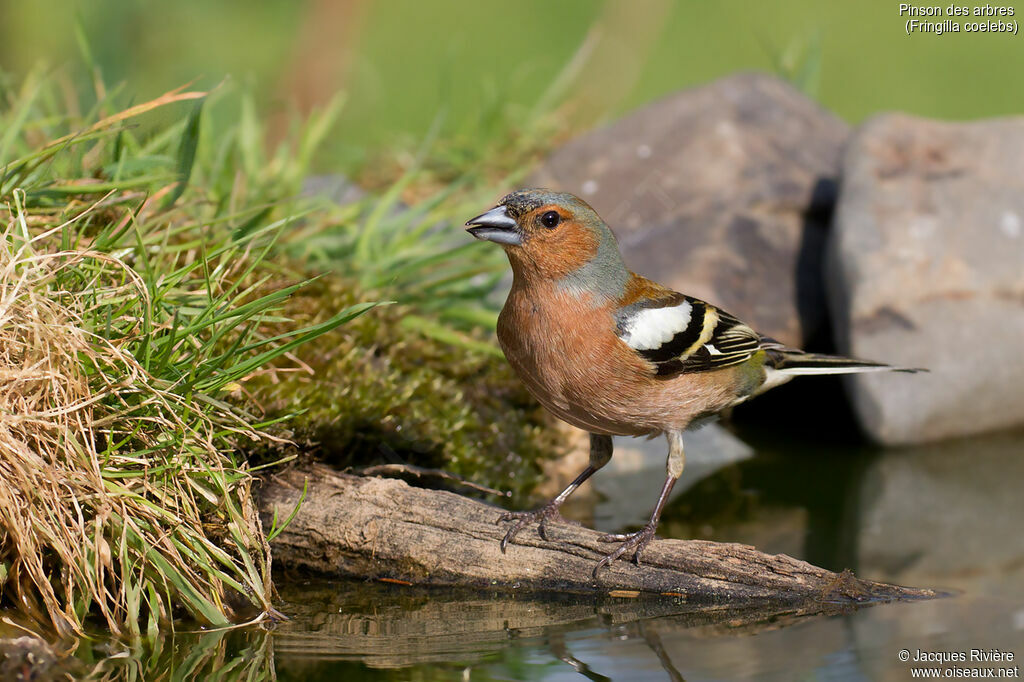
x=480 y=68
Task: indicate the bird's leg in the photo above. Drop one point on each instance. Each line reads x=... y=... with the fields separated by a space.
x=600 y=453
x=640 y=539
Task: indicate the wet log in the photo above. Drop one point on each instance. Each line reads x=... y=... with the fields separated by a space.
x=385 y=529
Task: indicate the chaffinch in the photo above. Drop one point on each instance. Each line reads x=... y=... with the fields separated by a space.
x=614 y=353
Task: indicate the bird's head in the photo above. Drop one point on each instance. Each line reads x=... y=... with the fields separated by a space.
x=553 y=235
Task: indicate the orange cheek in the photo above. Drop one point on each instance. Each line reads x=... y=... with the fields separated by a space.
x=558 y=252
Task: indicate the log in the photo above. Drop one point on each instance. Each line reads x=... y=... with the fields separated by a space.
x=385 y=529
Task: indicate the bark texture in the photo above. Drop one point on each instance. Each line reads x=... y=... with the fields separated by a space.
x=385 y=529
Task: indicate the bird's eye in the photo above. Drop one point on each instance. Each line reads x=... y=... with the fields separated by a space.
x=550 y=219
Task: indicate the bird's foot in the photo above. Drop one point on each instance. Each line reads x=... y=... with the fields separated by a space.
x=636 y=542
x=522 y=519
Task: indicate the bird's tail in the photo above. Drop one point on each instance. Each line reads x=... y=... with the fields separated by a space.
x=783 y=363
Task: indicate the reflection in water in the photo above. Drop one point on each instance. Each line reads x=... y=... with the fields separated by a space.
x=223 y=656
x=936 y=516
x=943 y=516
x=949 y=515
x=388 y=626
x=556 y=642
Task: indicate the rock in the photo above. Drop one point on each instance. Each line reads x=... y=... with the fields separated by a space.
x=723 y=192
x=31 y=658
x=926 y=269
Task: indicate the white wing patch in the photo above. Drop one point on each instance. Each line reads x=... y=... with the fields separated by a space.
x=649 y=328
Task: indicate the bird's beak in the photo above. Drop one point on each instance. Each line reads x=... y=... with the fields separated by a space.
x=495 y=226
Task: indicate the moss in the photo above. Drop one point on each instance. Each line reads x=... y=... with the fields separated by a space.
x=376 y=391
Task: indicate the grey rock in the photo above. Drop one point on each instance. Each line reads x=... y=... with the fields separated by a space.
x=722 y=192
x=926 y=269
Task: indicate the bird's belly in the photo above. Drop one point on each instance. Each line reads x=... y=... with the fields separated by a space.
x=624 y=401
x=590 y=415
x=579 y=388
x=596 y=416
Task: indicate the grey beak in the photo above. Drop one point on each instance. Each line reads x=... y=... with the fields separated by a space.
x=495 y=226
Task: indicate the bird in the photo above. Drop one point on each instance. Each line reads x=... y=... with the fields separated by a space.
x=616 y=354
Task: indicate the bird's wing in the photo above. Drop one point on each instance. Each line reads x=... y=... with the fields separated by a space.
x=678 y=333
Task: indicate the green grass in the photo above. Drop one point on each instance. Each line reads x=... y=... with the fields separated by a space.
x=422 y=382
x=132 y=305
x=171 y=303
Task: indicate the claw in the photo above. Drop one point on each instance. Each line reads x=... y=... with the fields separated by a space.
x=542 y=527
x=523 y=519
x=637 y=542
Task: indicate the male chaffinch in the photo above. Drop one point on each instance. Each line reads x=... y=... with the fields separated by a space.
x=614 y=353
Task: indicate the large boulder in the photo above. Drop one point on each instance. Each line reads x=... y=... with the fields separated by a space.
x=926 y=269
x=723 y=192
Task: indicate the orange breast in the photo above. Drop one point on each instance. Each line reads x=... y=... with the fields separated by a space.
x=566 y=351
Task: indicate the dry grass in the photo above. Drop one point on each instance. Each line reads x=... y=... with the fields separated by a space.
x=127 y=317
x=82 y=524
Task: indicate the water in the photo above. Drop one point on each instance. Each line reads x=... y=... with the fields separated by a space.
x=946 y=516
